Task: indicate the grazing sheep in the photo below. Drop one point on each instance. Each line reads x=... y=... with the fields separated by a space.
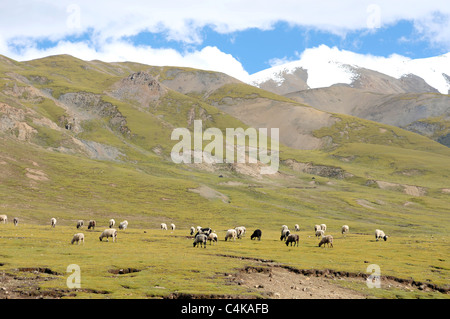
x=192 y=230
x=109 y=232
x=328 y=239
x=112 y=222
x=231 y=234
x=80 y=224
x=123 y=225
x=92 y=224
x=77 y=238
x=323 y=227
x=284 y=227
x=200 y=240
x=205 y=230
x=320 y=233
x=256 y=234
x=296 y=227
x=292 y=238
x=212 y=238
x=317 y=227
x=16 y=221
x=53 y=222
x=240 y=231
x=345 y=229
x=172 y=226
x=284 y=234
x=199 y=228
x=163 y=226
x=4 y=219
x=380 y=234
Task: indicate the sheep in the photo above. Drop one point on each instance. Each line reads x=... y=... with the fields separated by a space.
x=328 y=239
x=231 y=234
x=212 y=238
x=323 y=227
x=192 y=231
x=53 y=222
x=283 y=227
x=256 y=234
x=240 y=231
x=284 y=234
x=200 y=240
x=199 y=228
x=109 y=232
x=123 y=225
x=172 y=226
x=163 y=226
x=77 y=238
x=320 y=233
x=205 y=230
x=92 y=224
x=380 y=234
x=292 y=238
x=4 y=219
x=112 y=222
x=317 y=227
x=345 y=229
x=16 y=221
x=80 y=224
x=296 y=227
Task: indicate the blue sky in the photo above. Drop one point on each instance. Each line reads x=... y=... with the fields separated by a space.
x=235 y=37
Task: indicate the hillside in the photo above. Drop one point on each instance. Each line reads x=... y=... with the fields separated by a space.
x=92 y=140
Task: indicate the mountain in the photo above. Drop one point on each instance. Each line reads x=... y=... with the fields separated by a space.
x=407 y=94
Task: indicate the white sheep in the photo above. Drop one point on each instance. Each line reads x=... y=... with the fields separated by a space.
x=109 y=232
x=212 y=238
x=123 y=225
x=192 y=230
x=53 y=222
x=317 y=227
x=172 y=226
x=320 y=233
x=4 y=219
x=328 y=239
x=323 y=227
x=231 y=234
x=380 y=234
x=77 y=238
x=284 y=227
x=240 y=231
x=285 y=233
x=80 y=224
x=16 y=221
x=112 y=222
x=163 y=226
x=199 y=229
x=200 y=240
x=296 y=227
x=345 y=229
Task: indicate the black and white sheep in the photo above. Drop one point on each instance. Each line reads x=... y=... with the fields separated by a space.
x=380 y=234
x=320 y=233
x=212 y=238
x=79 y=237
x=80 y=224
x=240 y=231
x=16 y=221
x=328 y=239
x=53 y=222
x=285 y=233
x=256 y=234
x=231 y=234
x=323 y=227
x=200 y=240
x=296 y=227
x=292 y=239
x=112 y=222
x=317 y=227
x=205 y=230
x=192 y=231
x=123 y=225
x=109 y=232
x=163 y=226
x=172 y=226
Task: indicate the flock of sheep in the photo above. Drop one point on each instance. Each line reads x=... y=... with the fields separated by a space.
x=203 y=235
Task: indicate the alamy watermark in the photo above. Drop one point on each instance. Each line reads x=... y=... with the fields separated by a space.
x=74 y=280
x=236 y=150
x=374 y=280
